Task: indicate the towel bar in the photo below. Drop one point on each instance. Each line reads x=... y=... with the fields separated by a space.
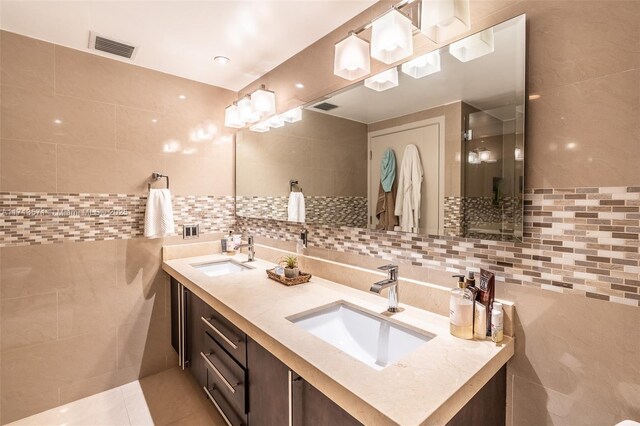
x=293 y=183
x=157 y=176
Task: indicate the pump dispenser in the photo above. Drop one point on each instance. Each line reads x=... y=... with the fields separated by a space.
x=461 y=310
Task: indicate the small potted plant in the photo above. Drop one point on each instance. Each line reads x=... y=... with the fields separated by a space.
x=290 y=264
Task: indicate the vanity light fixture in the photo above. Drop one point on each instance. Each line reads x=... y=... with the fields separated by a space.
x=292 y=115
x=275 y=122
x=260 y=127
x=223 y=60
x=473 y=47
x=351 y=58
x=391 y=37
x=473 y=158
x=442 y=20
x=245 y=109
x=384 y=81
x=518 y=154
x=232 y=117
x=263 y=102
x=423 y=66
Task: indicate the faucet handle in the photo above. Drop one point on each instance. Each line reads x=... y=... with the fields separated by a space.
x=250 y=239
x=389 y=267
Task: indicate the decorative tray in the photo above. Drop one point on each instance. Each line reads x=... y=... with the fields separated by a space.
x=300 y=279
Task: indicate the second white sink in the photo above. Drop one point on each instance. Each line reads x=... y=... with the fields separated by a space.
x=221 y=267
x=368 y=337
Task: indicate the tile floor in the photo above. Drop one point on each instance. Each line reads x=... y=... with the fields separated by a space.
x=168 y=398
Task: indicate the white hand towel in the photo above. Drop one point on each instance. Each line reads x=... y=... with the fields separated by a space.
x=296 y=209
x=158 y=218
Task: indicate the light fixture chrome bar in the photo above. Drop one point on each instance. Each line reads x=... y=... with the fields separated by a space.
x=409 y=8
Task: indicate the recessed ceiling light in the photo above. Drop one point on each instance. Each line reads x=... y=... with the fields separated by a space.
x=57 y=121
x=154 y=120
x=534 y=97
x=182 y=97
x=300 y=85
x=222 y=60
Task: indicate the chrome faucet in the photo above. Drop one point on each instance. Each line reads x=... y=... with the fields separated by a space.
x=392 y=284
x=251 y=255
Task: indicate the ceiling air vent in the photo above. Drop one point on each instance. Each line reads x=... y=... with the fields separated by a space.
x=325 y=106
x=111 y=46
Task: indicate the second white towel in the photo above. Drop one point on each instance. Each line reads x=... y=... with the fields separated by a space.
x=296 y=209
x=158 y=218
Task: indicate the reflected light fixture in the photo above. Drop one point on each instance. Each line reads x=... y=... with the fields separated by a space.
x=245 y=109
x=442 y=20
x=385 y=80
x=518 y=154
x=275 y=122
x=292 y=115
x=232 y=117
x=473 y=47
x=263 y=102
x=423 y=66
x=473 y=158
x=392 y=37
x=351 y=58
x=260 y=127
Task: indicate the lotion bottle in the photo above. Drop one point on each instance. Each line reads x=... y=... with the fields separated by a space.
x=497 y=322
x=461 y=310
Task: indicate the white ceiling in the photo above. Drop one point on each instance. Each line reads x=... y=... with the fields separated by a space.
x=493 y=82
x=183 y=37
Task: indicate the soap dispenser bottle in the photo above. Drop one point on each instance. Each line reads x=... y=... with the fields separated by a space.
x=461 y=310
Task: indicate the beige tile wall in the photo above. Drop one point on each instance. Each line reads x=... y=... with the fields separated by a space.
x=81 y=317
x=576 y=357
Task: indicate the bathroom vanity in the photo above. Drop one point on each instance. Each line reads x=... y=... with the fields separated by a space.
x=240 y=336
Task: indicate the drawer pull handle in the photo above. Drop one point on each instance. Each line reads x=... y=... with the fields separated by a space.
x=219 y=333
x=218 y=373
x=226 y=419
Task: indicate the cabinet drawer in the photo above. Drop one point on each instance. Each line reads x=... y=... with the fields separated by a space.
x=225 y=374
x=230 y=337
x=223 y=407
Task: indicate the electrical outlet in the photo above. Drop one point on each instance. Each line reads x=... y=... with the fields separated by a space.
x=190 y=231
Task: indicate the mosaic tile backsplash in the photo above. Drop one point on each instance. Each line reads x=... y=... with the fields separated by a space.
x=43 y=218
x=577 y=240
x=340 y=211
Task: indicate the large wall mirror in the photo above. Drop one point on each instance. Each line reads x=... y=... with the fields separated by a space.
x=440 y=153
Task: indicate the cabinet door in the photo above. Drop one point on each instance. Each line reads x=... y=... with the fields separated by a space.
x=312 y=408
x=268 y=387
x=194 y=335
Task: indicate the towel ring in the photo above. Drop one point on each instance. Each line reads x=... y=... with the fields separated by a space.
x=157 y=176
x=293 y=183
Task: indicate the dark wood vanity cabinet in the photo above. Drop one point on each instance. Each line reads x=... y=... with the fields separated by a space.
x=250 y=386
x=276 y=393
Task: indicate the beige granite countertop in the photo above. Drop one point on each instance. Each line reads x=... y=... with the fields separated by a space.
x=427 y=387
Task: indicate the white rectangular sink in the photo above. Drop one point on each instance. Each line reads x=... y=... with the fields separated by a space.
x=368 y=337
x=221 y=267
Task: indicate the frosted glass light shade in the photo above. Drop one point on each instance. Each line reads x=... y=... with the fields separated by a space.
x=292 y=115
x=391 y=37
x=442 y=20
x=384 y=81
x=484 y=154
x=275 y=122
x=473 y=158
x=232 y=117
x=245 y=109
x=351 y=58
x=423 y=66
x=260 y=127
x=263 y=102
x=473 y=47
